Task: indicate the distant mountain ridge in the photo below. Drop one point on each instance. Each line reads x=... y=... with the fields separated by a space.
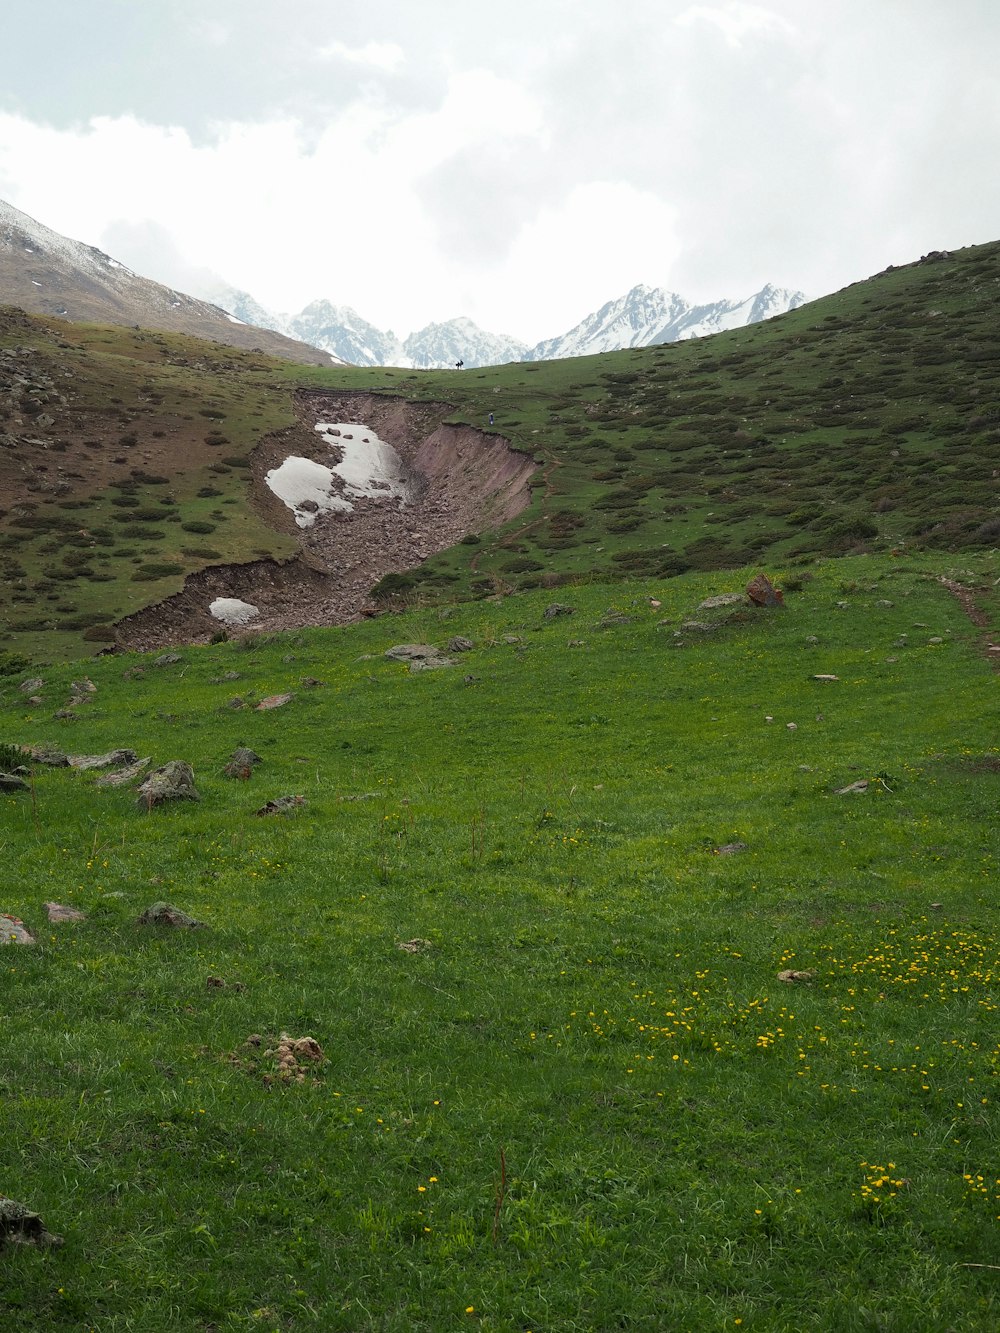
x=641 y=318
x=46 y=273
x=49 y=274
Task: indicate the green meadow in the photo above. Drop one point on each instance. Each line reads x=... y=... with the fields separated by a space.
x=580 y=1098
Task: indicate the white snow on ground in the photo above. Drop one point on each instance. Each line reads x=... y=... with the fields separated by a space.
x=369 y=466
x=232 y=611
x=300 y=482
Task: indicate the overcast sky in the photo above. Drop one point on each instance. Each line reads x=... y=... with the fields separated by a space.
x=519 y=163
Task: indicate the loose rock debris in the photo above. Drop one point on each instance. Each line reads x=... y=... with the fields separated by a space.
x=286 y=1059
x=790 y=975
x=414 y=946
x=273 y=701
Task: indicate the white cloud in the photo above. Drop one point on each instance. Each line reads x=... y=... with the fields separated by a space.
x=735 y=20
x=708 y=147
x=386 y=56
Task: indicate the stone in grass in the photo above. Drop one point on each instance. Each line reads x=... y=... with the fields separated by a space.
x=109 y=760
x=282 y=805
x=14 y=931
x=790 y=975
x=731 y=849
x=414 y=946
x=851 y=788
x=123 y=776
x=558 y=609
x=11 y=782
x=762 y=592
x=20 y=1226
x=173 y=782
x=420 y=656
x=165 y=914
x=32 y=686
x=49 y=755
x=273 y=701
x=721 y=599
x=59 y=913
x=460 y=644
x=241 y=762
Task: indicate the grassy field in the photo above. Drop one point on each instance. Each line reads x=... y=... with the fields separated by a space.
x=581 y=1099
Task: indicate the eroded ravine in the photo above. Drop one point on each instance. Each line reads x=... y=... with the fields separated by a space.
x=460 y=480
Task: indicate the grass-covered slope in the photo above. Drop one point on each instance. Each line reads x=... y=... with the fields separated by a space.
x=868 y=420
x=584 y=1101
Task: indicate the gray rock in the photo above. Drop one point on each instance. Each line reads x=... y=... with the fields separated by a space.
x=20 y=1226
x=459 y=644
x=558 y=609
x=167 y=659
x=852 y=787
x=14 y=931
x=731 y=849
x=241 y=762
x=173 y=782
x=411 y=652
x=282 y=805
x=723 y=599
x=47 y=754
x=31 y=686
x=165 y=914
x=11 y=782
x=420 y=656
x=123 y=776
x=86 y=761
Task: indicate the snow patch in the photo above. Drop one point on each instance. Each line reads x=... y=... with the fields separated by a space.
x=368 y=465
x=231 y=611
x=307 y=488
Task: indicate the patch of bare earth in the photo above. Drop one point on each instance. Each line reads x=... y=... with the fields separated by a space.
x=461 y=480
x=966 y=598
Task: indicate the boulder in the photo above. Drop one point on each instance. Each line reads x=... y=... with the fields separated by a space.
x=273 y=701
x=21 y=1226
x=173 y=782
x=558 y=609
x=420 y=656
x=165 y=914
x=282 y=805
x=762 y=592
x=109 y=760
x=14 y=931
x=12 y=782
x=241 y=762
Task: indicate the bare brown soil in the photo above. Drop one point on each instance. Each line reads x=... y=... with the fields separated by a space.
x=462 y=480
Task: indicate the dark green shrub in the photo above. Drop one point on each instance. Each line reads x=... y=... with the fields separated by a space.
x=196 y=525
x=148 y=572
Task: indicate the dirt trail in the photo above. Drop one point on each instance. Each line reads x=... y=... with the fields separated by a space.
x=979 y=618
x=461 y=480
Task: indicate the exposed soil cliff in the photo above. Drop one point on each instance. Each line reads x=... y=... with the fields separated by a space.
x=461 y=480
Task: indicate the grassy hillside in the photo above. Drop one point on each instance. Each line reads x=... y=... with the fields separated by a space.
x=865 y=421
x=581 y=1099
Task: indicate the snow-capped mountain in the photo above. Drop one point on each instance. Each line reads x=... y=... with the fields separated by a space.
x=646 y=316
x=641 y=318
x=46 y=273
x=342 y=331
x=440 y=345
